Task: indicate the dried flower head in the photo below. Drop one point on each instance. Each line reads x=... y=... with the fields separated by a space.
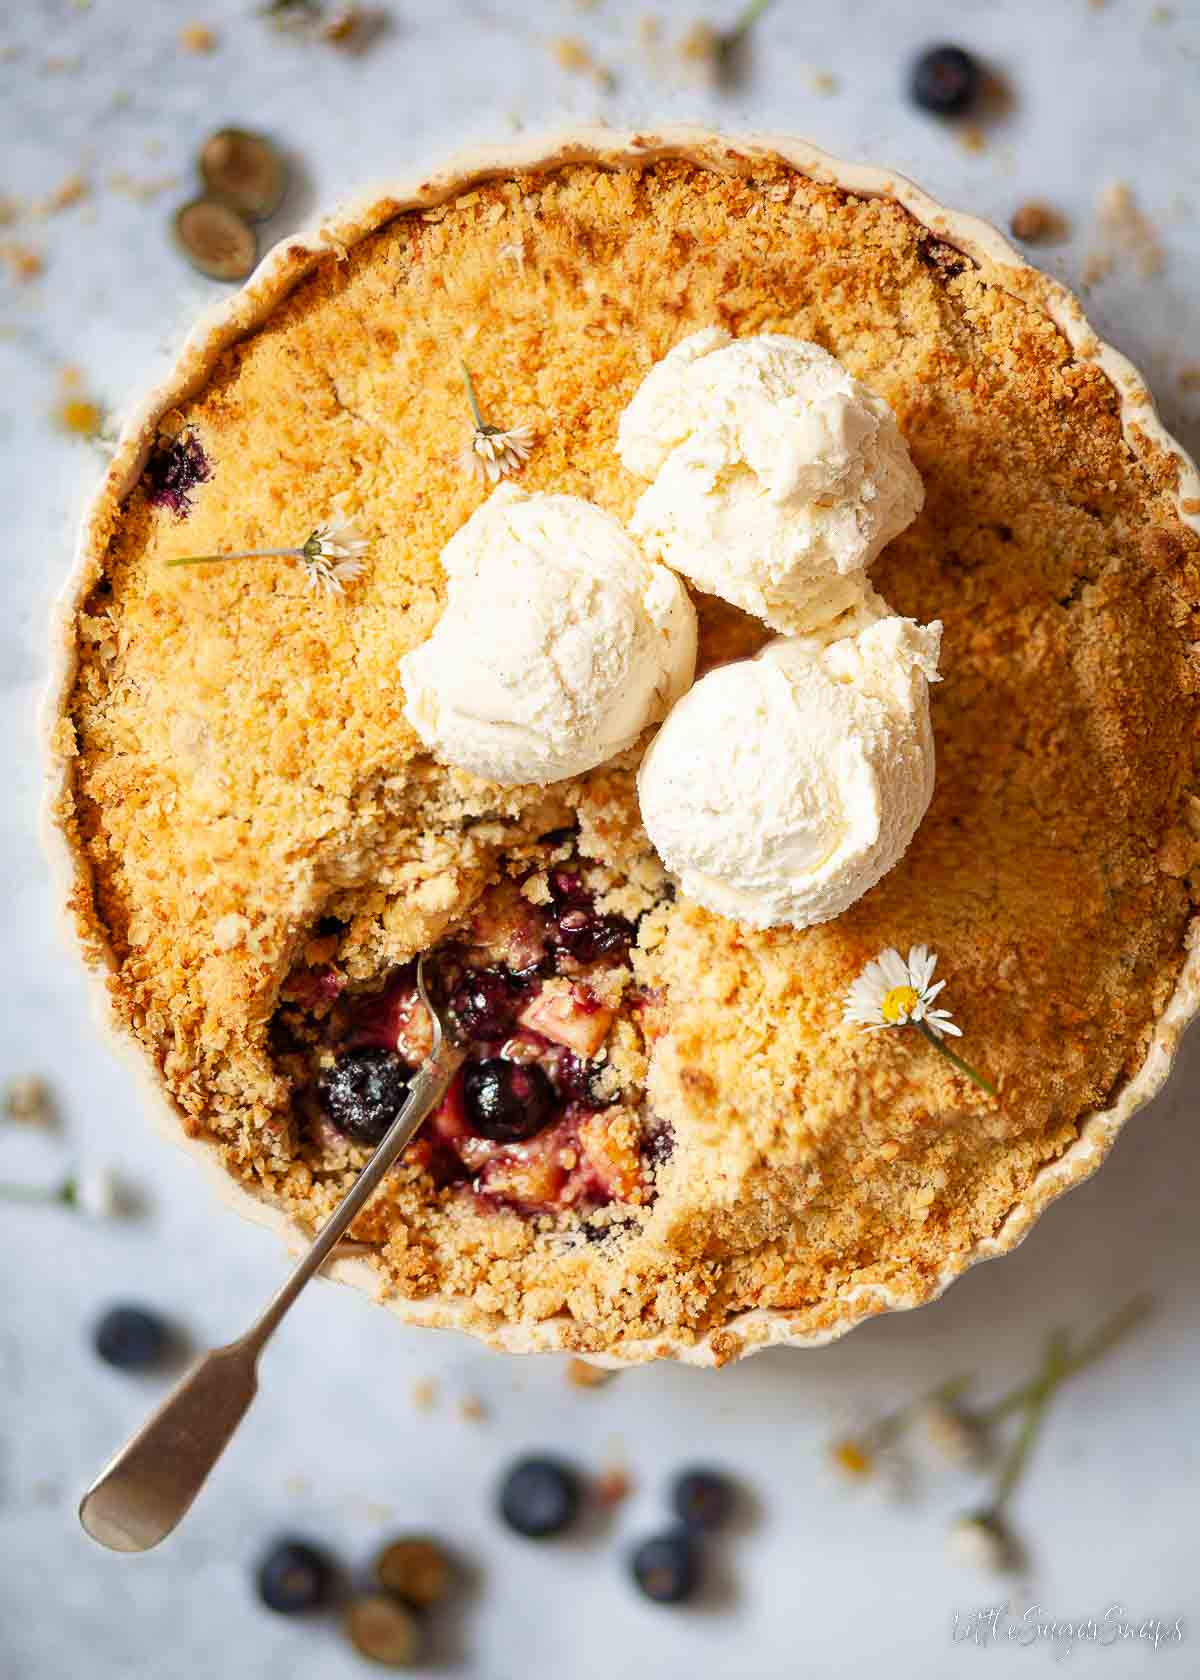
x=493 y=451
x=173 y=471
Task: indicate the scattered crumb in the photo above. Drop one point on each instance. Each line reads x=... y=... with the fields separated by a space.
x=295 y=1485
x=60 y=64
x=143 y=191
x=581 y=1374
x=1188 y=377
x=1038 y=224
x=79 y=417
x=10 y=209
x=822 y=82
x=612 y=1485
x=700 y=50
x=571 y=54
x=354 y=27
x=425 y=1394
x=972 y=138
x=71 y=191
x=472 y=1408
x=1122 y=231
x=996 y=94
x=27 y=1098
x=197 y=38
x=22 y=261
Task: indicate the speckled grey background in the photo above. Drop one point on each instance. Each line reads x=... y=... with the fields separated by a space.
x=821 y=1579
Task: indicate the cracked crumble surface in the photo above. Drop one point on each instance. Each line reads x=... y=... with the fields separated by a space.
x=244 y=769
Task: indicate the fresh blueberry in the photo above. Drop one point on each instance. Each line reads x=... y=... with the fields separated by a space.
x=944 y=80
x=294 y=1576
x=131 y=1338
x=703 y=1499
x=507 y=1101
x=539 y=1497
x=363 y=1091
x=667 y=1566
x=485 y=1004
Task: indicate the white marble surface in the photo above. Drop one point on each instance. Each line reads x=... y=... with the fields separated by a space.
x=824 y=1580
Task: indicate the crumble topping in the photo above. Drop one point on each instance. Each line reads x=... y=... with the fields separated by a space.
x=252 y=805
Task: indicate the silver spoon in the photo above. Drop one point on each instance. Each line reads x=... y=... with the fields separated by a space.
x=148 y=1487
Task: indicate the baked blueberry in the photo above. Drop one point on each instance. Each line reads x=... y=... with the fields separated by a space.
x=539 y=1497
x=485 y=1004
x=702 y=1499
x=294 y=1576
x=507 y=1101
x=667 y=1566
x=944 y=80
x=131 y=1338
x=363 y=1091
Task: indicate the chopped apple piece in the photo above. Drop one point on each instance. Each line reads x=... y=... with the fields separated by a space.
x=610 y=1154
x=568 y=1014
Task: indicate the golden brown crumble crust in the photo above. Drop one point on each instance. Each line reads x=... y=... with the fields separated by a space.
x=244 y=767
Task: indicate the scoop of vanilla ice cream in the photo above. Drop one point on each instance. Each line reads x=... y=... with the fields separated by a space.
x=781 y=788
x=560 y=641
x=777 y=477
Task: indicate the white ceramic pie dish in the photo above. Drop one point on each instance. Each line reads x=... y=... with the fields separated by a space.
x=281 y=269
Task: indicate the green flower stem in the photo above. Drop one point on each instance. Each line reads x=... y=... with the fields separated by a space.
x=480 y=426
x=1096 y=1346
x=64 y=1193
x=883 y=1433
x=943 y=1049
x=1054 y=1369
x=745 y=23
x=249 y=554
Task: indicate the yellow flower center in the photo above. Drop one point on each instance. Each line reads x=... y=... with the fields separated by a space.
x=899 y=1004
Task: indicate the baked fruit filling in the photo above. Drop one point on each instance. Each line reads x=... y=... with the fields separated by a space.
x=532 y=983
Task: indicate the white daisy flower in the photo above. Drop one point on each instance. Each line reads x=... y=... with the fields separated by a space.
x=493 y=451
x=980 y=1542
x=331 y=554
x=96 y=1192
x=896 y=992
x=891 y=992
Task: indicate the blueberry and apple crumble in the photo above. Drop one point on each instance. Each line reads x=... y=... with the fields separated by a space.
x=538 y=1119
x=665 y=1139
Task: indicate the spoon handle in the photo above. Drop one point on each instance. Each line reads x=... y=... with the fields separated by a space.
x=148 y=1487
